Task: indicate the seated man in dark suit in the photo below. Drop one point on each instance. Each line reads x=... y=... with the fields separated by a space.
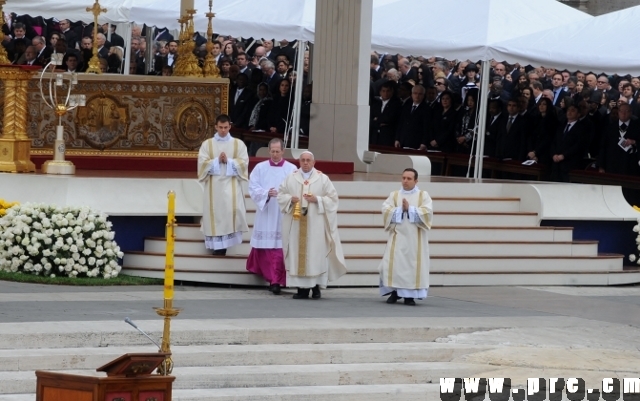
x=618 y=145
x=385 y=111
x=495 y=120
x=412 y=125
x=568 y=146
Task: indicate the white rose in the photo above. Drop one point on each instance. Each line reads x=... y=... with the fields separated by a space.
x=75 y=256
x=110 y=253
x=83 y=261
x=47 y=241
x=120 y=255
x=47 y=266
x=632 y=257
x=53 y=276
x=92 y=261
x=87 y=252
x=73 y=248
x=63 y=231
x=67 y=268
x=69 y=241
x=25 y=241
x=24 y=257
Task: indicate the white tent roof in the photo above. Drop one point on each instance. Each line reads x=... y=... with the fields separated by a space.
x=456 y=29
x=451 y=29
x=118 y=11
x=603 y=44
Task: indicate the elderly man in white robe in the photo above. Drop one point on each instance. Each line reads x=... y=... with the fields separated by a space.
x=266 y=258
x=310 y=240
x=404 y=270
x=223 y=164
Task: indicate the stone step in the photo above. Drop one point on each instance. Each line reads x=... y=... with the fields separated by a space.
x=285 y=375
x=441 y=204
x=438 y=233
x=441 y=219
x=436 y=248
x=369 y=264
x=240 y=355
x=382 y=392
x=195 y=332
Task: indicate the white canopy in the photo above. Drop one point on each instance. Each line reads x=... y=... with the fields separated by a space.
x=602 y=44
x=118 y=11
x=462 y=29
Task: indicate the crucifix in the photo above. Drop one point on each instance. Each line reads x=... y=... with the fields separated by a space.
x=94 y=63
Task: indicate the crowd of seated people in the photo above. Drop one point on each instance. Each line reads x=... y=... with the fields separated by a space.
x=566 y=120
x=561 y=119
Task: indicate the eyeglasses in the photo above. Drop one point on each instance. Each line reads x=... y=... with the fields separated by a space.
x=439 y=83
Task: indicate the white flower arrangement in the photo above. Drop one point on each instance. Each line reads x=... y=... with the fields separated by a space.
x=633 y=257
x=46 y=240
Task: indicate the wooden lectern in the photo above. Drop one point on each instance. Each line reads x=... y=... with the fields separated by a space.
x=129 y=378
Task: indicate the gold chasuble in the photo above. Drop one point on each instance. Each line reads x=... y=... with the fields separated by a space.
x=224 y=209
x=405 y=264
x=311 y=244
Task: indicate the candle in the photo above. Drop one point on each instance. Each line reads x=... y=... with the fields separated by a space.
x=168 y=269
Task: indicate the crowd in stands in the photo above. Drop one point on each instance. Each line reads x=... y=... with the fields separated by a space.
x=558 y=118
x=566 y=120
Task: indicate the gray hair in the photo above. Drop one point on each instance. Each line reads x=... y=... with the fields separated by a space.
x=268 y=64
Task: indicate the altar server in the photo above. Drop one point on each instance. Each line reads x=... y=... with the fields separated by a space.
x=222 y=166
x=407 y=213
x=310 y=241
x=265 y=258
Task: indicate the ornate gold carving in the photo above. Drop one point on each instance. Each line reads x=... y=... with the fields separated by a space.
x=191 y=124
x=210 y=69
x=187 y=63
x=102 y=122
x=3 y=53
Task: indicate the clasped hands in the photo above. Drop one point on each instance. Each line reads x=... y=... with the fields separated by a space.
x=222 y=158
x=309 y=198
x=405 y=205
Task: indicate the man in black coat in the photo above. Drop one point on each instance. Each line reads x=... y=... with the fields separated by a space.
x=241 y=102
x=412 y=125
x=618 y=145
x=511 y=133
x=385 y=111
x=568 y=146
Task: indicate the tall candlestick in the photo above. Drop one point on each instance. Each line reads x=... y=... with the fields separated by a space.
x=169 y=267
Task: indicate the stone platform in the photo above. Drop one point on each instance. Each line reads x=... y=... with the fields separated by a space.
x=231 y=344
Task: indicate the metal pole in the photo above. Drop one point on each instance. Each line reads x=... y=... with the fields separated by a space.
x=482 y=122
x=297 y=103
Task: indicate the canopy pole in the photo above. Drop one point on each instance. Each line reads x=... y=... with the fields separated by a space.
x=127 y=48
x=482 y=122
x=297 y=103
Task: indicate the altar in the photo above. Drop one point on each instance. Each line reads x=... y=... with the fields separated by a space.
x=130 y=116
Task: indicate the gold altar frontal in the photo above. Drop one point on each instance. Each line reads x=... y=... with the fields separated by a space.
x=130 y=116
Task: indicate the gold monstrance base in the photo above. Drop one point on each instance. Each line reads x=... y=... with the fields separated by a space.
x=14 y=156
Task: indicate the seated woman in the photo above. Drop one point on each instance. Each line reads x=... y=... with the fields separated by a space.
x=281 y=108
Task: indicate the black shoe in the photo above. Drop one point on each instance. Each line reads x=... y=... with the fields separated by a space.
x=393 y=298
x=220 y=252
x=315 y=292
x=303 y=293
x=409 y=301
x=275 y=288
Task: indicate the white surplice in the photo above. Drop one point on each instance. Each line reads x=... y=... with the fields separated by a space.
x=405 y=264
x=224 y=214
x=311 y=245
x=267 y=232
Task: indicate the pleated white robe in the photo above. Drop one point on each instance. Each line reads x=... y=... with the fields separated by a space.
x=405 y=264
x=224 y=213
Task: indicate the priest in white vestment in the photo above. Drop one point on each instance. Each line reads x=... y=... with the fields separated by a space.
x=266 y=258
x=310 y=242
x=407 y=213
x=223 y=164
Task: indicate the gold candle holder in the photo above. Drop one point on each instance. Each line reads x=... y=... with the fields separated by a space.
x=210 y=69
x=168 y=311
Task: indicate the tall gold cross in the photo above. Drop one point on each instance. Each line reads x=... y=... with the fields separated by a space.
x=96 y=11
x=94 y=63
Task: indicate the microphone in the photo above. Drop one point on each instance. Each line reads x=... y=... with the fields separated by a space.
x=129 y=321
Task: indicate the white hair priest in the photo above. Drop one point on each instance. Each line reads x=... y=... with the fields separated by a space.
x=310 y=241
x=223 y=164
x=265 y=258
x=407 y=214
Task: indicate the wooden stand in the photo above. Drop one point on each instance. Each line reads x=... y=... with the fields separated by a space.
x=128 y=378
